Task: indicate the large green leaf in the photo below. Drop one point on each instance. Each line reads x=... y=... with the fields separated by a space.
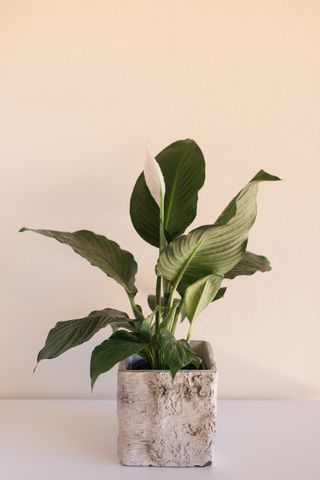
x=100 y=252
x=213 y=248
x=198 y=295
x=183 y=168
x=119 y=346
x=249 y=264
x=176 y=353
x=71 y=333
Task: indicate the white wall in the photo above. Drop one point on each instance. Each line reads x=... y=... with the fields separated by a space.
x=84 y=86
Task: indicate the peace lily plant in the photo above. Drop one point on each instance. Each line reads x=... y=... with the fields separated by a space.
x=189 y=271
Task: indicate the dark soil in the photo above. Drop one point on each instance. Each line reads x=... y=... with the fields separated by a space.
x=143 y=364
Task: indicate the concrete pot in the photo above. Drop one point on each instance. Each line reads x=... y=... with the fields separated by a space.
x=164 y=422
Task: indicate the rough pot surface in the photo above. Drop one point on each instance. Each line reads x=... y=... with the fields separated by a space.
x=165 y=422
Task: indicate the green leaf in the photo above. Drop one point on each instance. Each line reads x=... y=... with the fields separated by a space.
x=119 y=346
x=146 y=327
x=200 y=294
x=152 y=301
x=213 y=248
x=183 y=168
x=176 y=353
x=249 y=264
x=220 y=293
x=182 y=287
x=169 y=317
x=131 y=325
x=100 y=252
x=71 y=333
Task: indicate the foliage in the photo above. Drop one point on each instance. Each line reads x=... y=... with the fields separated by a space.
x=190 y=267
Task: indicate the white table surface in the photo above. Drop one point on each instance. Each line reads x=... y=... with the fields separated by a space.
x=76 y=439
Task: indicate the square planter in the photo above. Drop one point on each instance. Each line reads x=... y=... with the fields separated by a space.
x=166 y=422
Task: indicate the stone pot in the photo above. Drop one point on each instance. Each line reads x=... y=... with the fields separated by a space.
x=165 y=422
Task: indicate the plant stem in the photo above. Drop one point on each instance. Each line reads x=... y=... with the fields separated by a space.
x=132 y=303
x=176 y=316
x=169 y=320
x=173 y=291
x=162 y=237
x=134 y=307
x=189 y=333
x=158 y=303
x=162 y=244
x=151 y=358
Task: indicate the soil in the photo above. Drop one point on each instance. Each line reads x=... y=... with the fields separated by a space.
x=143 y=364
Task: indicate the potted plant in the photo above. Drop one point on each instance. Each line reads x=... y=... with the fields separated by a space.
x=166 y=386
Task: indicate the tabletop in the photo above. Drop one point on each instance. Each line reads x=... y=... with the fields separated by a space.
x=77 y=439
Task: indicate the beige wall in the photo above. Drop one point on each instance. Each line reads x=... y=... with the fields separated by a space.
x=84 y=85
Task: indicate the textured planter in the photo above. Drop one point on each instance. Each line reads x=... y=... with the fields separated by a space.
x=165 y=422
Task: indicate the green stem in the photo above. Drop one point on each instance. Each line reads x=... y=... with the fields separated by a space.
x=169 y=320
x=166 y=290
x=137 y=314
x=162 y=237
x=162 y=244
x=158 y=303
x=132 y=303
x=189 y=333
x=176 y=317
x=173 y=290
